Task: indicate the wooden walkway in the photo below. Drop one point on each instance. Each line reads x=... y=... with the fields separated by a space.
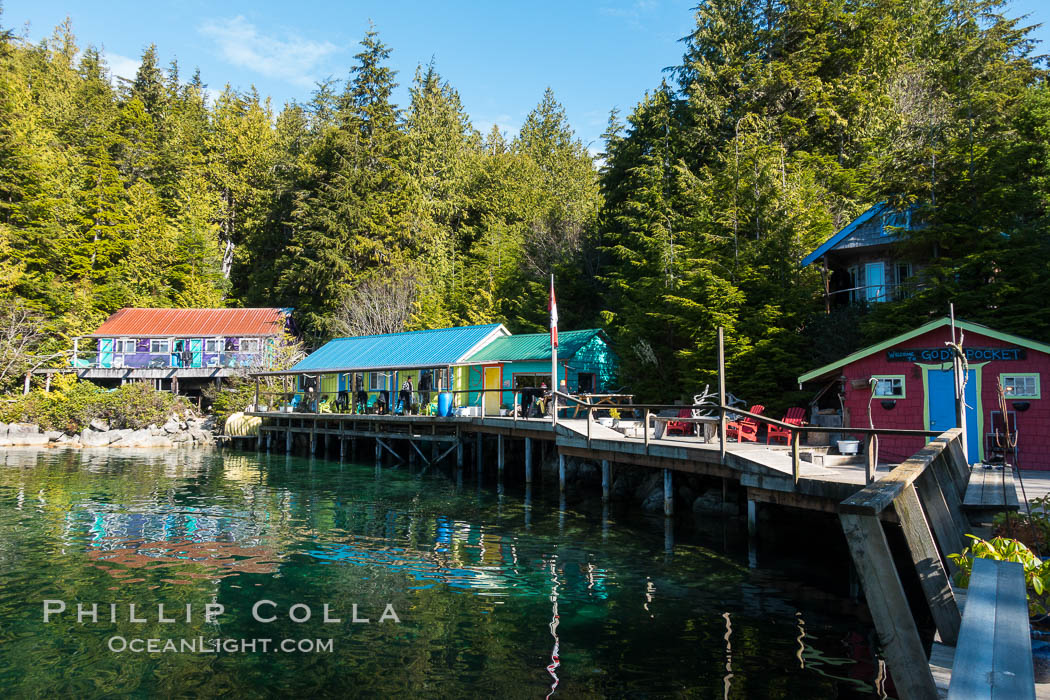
x=766 y=471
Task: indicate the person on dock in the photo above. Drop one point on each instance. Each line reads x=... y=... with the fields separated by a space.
x=405 y=396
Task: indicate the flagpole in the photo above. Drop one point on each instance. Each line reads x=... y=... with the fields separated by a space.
x=554 y=355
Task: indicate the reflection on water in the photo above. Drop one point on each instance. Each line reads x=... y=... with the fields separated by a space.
x=498 y=593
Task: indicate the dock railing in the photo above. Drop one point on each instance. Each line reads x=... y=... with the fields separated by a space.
x=797 y=431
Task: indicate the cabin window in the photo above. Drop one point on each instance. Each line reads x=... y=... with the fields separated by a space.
x=124 y=345
x=250 y=345
x=875 y=282
x=159 y=346
x=1020 y=386
x=376 y=380
x=213 y=345
x=889 y=386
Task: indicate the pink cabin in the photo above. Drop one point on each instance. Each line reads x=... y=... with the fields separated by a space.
x=908 y=383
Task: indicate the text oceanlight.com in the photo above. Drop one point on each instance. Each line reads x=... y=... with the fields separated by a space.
x=200 y=645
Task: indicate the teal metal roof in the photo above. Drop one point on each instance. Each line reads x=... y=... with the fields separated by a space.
x=533 y=346
x=409 y=350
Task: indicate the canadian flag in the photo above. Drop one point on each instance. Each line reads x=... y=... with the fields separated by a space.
x=553 y=306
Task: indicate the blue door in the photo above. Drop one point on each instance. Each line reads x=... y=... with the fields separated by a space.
x=941 y=402
x=197 y=348
x=105 y=352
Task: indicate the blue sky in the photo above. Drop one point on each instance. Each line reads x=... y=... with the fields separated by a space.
x=499 y=55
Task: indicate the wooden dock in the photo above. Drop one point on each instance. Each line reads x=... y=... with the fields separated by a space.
x=765 y=471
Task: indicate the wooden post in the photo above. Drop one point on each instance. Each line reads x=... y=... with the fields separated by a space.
x=645 y=432
x=528 y=460
x=513 y=413
x=721 y=395
x=478 y=445
x=288 y=438
x=668 y=493
x=25 y=389
x=499 y=455
x=379 y=452
x=796 y=466
x=889 y=607
x=47 y=383
x=256 y=393
x=752 y=517
x=871 y=449
x=590 y=418
x=960 y=380
x=561 y=473
x=606 y=480
x=342 y=448
x=459 y=452
x=76 y=351
x=927 y=560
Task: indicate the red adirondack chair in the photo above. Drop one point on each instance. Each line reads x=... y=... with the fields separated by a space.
x=794 y=416
x=677 y=427
x=745 y=429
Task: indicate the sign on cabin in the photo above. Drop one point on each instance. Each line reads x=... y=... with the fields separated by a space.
x=945 y=354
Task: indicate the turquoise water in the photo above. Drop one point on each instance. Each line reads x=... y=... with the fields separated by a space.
x=494 y=598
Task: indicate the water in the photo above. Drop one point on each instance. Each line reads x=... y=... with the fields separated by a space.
x=488 y=605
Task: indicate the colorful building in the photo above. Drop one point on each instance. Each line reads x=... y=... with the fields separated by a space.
x=586 y=364
x=379 y=364
x=908 y=382
x=179 y=346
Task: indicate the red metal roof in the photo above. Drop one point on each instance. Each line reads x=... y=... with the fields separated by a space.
x=193 y=323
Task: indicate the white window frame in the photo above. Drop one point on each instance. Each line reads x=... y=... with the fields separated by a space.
x=217 y=345
x=1034 y=376
x=153 y=346
x=120 y=345
x=880 y=378
x=249 y=346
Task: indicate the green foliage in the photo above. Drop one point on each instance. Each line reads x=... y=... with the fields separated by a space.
x=72 y=405
x=235 y=396
x=1036 y=571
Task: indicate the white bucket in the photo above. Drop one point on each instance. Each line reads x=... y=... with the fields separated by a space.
x=849 y=447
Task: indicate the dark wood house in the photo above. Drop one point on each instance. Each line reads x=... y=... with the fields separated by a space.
x=861 y=263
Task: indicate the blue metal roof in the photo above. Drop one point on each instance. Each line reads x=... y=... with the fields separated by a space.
x=409 y=350
x=843 y=234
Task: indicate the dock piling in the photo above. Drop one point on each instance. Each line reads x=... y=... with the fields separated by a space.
x=561 y=473
x=668 y=494
x=606 y=480
x=528 y=460
x=499 y=456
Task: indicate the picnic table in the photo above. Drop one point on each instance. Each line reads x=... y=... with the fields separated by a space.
x=609 y=401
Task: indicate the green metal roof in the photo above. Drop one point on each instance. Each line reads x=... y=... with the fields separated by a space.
x=938 y=323
x=438 y=347
x=533 y=346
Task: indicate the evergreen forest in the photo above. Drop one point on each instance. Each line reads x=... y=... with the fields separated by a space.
x=784 y=120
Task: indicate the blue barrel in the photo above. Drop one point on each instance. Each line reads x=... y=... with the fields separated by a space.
x=444 y=403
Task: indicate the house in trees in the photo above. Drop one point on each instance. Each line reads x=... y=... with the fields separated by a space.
x=860 y=263
x=179 y=349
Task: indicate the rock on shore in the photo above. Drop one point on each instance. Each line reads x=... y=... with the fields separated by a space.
x=187 y=430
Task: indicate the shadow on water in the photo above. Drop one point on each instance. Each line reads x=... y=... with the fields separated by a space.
x=498 y=591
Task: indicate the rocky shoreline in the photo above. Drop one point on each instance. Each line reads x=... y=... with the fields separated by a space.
x=188 y=430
